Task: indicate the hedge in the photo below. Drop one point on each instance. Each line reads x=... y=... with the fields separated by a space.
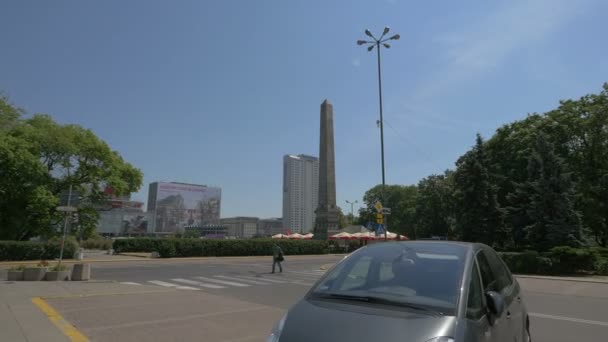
x=172 y=247
x=30 y=250
x=559 y=260
x=97 y=243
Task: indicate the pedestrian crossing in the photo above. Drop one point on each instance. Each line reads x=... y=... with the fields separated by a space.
x=225 y=281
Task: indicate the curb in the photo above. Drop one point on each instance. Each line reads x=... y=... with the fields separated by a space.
x=579 y=280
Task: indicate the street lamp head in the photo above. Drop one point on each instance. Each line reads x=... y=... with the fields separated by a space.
x=368 y=33
x=387 y=45
x=370 y=48
x=361 y=42
x=386 y=29
x=395 y=37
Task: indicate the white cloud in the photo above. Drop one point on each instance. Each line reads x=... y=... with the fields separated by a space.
x=485 y=44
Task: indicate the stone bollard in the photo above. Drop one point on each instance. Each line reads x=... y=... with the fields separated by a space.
x=81 y=272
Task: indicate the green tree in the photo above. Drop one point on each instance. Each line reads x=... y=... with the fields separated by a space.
x=401 y=199
x=543 y=206
x=478 y=215
x=435 y=206
x=49 y=157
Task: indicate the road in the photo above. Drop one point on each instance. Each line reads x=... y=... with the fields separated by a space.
x=237 y=299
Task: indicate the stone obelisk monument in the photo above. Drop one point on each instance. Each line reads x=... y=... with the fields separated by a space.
x=327 y=211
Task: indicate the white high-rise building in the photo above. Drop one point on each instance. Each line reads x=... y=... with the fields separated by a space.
x=300 y=192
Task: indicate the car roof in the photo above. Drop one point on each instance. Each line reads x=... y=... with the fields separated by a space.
x=475 y=246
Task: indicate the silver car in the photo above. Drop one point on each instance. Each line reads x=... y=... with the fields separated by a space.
x=413 y=291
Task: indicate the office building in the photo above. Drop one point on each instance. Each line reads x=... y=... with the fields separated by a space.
x=300 y=192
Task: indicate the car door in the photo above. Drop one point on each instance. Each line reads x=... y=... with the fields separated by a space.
x=501 y=329
x=511 y=292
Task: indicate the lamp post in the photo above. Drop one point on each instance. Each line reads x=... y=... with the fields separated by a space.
x=352 y=209
x=379 y=43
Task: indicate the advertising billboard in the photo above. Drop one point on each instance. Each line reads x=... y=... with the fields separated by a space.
x=180 y=205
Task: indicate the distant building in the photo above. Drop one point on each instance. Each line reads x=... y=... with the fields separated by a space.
x=270 y=226
x=175 y=206
x=300 y=192
x=240 y=226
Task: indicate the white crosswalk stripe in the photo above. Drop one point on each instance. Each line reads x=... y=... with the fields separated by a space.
x=224 y=282
x=256 y=282
x=264 y=279
x=198 y=283
x=129 y=283
x=165 y=284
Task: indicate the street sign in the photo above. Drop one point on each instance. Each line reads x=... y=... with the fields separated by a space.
x=67 y=209
x=380 y=230
x=378 y=206
x=386 y=211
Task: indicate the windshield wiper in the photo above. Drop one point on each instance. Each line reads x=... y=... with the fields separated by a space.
x=378 y=300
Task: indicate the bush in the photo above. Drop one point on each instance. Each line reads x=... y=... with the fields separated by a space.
x=602 y=268
x=559 y=261
x=30 y=250
x=136 y=245
x=183 y=247
x=97 y=243
x=526 y=262
x=567 y=260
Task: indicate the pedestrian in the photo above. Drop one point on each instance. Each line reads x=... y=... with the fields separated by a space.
x=277 y=257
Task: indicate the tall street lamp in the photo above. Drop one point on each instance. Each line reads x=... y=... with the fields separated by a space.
x=379 y=43
x=352 y=210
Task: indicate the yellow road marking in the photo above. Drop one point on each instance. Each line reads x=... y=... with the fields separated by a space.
x=66 y=328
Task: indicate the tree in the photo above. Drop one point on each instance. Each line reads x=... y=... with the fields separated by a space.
x=543 y=206
x=42 y=158
x=479 y=217
x=435 y=206
x=401 y=199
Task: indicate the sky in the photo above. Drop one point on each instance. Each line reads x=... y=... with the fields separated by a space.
x=216 y=92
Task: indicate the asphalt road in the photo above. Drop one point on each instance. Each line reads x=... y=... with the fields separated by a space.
x=247 y=300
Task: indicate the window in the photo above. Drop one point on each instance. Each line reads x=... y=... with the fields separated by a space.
x=500 y=271
x=487 y=277
x=475 y=309
x=357 y=276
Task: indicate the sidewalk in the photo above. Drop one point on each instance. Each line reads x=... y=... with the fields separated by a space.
x=588 y=279
x=27 y=321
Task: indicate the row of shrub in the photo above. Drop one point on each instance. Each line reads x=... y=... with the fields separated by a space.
x=170 y=248
x=559 y=260
x=97 y=243
x=32 y=250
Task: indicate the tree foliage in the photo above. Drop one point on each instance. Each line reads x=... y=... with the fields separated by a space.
x=402 y=201
x=537 y=182
x=40 y=158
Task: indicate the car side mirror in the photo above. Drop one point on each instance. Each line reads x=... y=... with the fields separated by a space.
x=496 y=303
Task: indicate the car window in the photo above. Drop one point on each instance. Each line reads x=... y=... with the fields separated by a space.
x=475 y=308
x=420 y=273
x=500 y=271
x=487 y=276
x=357 y=275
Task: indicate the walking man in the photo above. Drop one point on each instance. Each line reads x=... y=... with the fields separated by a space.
x=277 y=257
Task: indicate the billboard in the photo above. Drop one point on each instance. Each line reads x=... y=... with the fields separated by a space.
x=180 y=205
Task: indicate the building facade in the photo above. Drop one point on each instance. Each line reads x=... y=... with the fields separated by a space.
x=241 y=227
x=300 y=192
x=270 y=226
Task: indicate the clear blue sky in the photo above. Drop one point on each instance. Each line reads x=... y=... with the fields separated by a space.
x=216 y=92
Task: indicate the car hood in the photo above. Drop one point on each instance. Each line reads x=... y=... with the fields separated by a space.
x=325 y=321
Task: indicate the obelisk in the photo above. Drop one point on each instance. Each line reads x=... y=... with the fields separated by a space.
x=327 y=217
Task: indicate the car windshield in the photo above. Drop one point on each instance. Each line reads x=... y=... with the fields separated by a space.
x=424 y=276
